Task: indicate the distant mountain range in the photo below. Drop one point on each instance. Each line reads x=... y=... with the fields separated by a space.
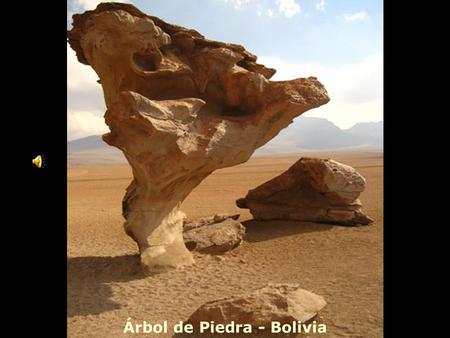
x=307 y=134
x=313 y=133
x=93 y=150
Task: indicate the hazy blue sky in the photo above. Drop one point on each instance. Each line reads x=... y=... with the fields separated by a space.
x=339 y=41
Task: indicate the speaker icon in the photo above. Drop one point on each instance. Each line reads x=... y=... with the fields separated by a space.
x=39 y=161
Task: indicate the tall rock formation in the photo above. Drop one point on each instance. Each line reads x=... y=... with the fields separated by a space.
x=179 y=106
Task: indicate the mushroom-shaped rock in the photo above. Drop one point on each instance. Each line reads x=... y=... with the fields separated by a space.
x=179 y=106
x=313 y=190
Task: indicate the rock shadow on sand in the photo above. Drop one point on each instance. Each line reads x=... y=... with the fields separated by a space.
x=258 y=231
x=88 y=292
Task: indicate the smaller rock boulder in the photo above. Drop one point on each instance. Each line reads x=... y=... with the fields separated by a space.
x=283 y=303
x=213 y=235
x=312 y=190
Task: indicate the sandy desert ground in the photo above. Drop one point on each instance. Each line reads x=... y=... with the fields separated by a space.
x=106 y=286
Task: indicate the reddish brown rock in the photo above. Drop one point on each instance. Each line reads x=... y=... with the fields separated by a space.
x=312 y=190
x=179 y=106
x=284 y=303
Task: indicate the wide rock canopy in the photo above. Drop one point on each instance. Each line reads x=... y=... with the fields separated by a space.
x=179 y=106
x=312 y=190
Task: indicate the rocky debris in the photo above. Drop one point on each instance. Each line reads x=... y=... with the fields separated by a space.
x=217 y=218
x=283 y=303
x=213 y=235
x=313 y=190
x=179 y=106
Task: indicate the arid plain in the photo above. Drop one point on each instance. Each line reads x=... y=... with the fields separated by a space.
x=106 y=286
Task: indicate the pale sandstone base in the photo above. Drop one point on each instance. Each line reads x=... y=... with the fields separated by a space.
x=161 y=246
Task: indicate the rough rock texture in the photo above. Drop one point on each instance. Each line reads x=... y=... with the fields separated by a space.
x=312 y=190
x=179 y=106
x=284 y=303
x=213 y=235
x=216 y=218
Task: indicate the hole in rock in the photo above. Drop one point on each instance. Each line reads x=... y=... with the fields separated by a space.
x=190 y=245
x=243 y=64
x=235 y=111
x=146 y=62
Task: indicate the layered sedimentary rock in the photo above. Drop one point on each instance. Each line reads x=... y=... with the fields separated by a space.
x=284 y=303
x=312 y=190
x=213 y=235
x=179 y=106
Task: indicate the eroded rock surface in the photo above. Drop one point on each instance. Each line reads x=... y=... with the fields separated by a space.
x=216 y=218
x=213 y=235
x=179 y=106
x=283 y=303
x=314 y=190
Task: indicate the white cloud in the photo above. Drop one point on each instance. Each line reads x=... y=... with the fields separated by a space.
x=320 y=5
x=361 y=15
x=84 y=100
x=288 y=7
x=78 y=74
x=87 y=4
x=237 y=3
x=91 y=4
x=355 y=90
x=82 y=124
